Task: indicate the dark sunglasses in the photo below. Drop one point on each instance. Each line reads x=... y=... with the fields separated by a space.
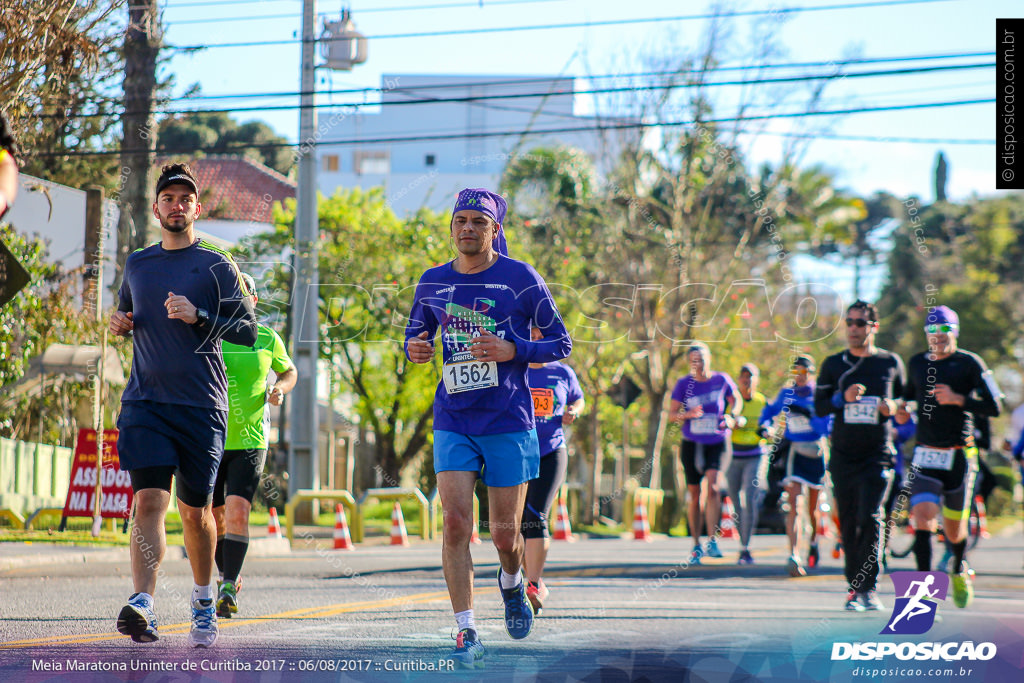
x=858 y=322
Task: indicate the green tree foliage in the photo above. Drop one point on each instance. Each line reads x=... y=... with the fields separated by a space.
x=966 y=256
x=204 y=133
x=59 y=71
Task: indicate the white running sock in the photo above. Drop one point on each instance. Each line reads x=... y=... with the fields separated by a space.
x=147 y=597
x=204 y=592
x=510 y=580
x=465 y=620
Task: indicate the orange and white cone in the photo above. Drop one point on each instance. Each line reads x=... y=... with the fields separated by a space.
x=274 y=525
x=728 y=523
x=475 y=538
x=641 y=528
x=979 y=502
x=563 y=531
x=398 y=534
x=342 y=539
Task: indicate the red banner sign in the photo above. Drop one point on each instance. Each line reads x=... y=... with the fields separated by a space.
x=117 y=485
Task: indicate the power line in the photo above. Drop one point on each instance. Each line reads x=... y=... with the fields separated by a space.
x=592 y=77
x=297 y=15
x=876 y=138
x=591 y=91
x=578 y=24
x=599 y=126
x=370 y=10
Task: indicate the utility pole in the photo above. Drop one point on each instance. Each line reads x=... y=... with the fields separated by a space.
x=138 y=148
x=303 y=460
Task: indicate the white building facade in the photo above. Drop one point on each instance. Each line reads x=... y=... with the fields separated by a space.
x=425 y=151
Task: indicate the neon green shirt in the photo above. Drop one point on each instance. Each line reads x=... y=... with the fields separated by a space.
x=747 y=437
x=247 y=370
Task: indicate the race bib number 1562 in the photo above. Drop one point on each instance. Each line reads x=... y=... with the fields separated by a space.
x=470 y=375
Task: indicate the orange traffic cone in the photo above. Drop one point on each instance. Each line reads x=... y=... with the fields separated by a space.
x=728 y=523
x=342 y=540
x=398 y=535
x=979 y=502
x=563 y=531
x=641 y=528
x=273 y=525
x=475 y=538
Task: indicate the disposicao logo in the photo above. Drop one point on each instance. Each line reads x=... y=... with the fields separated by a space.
x=914 y=614
x=914 y=611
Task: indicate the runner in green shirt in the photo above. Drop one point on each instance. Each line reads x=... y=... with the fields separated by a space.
x=245 y=447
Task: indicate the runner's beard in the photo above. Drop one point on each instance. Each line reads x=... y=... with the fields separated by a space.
x=170 y=227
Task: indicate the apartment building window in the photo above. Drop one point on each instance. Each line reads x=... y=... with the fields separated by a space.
x=331 y=163
x=430 y=160
x=375 y=162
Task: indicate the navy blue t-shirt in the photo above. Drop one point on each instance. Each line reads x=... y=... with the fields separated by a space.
x=554 y=388
x=508 y=299
x=174 y=362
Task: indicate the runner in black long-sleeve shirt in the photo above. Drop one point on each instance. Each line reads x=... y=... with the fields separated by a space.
x=178 y=299
x=859 y=386
x=951 y=386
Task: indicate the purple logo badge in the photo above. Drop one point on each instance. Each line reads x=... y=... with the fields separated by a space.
x=916 y=602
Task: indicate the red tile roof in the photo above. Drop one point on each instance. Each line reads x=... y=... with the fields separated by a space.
x=233 y=188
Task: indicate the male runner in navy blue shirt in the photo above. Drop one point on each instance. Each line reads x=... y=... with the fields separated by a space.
x=179 y=298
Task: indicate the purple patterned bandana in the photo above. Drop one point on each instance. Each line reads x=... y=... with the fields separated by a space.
x=489 y=204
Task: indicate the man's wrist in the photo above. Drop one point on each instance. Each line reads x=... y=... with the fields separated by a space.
x=202 y=317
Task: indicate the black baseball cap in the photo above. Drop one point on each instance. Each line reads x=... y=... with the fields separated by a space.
x=177 y=174
x=804 y=361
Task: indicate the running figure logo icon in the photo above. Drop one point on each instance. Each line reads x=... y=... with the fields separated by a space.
x=914 y=612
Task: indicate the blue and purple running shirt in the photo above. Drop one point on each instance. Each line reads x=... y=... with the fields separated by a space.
x=476 y=397
x=554 y=387
x=711 y=395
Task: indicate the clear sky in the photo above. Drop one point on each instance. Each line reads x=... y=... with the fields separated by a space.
x=864 y=166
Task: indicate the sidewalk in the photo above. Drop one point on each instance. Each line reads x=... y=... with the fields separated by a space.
x=14 y=555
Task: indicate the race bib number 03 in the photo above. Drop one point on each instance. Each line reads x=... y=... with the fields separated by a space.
x=933 y=458
x=470 y=376
x=863 y=412
x=706 y=424
x=543 y=402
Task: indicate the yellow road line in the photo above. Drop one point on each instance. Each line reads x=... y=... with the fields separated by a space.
x=303 y=613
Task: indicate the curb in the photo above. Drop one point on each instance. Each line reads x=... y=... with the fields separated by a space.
x=258 y=547
x=81 y=557
x=268 y=547
x=112 y=555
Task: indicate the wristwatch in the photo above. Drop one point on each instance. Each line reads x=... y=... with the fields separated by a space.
x=202 y=317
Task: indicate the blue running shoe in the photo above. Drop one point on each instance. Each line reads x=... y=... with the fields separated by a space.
x=518 y=610
x=138 y=620
x=713 y=550
x=469 y=653
x=695 y=555
x=204 y=624
x=745 y=557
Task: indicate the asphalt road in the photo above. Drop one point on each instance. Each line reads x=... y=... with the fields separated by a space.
x=618 y=610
